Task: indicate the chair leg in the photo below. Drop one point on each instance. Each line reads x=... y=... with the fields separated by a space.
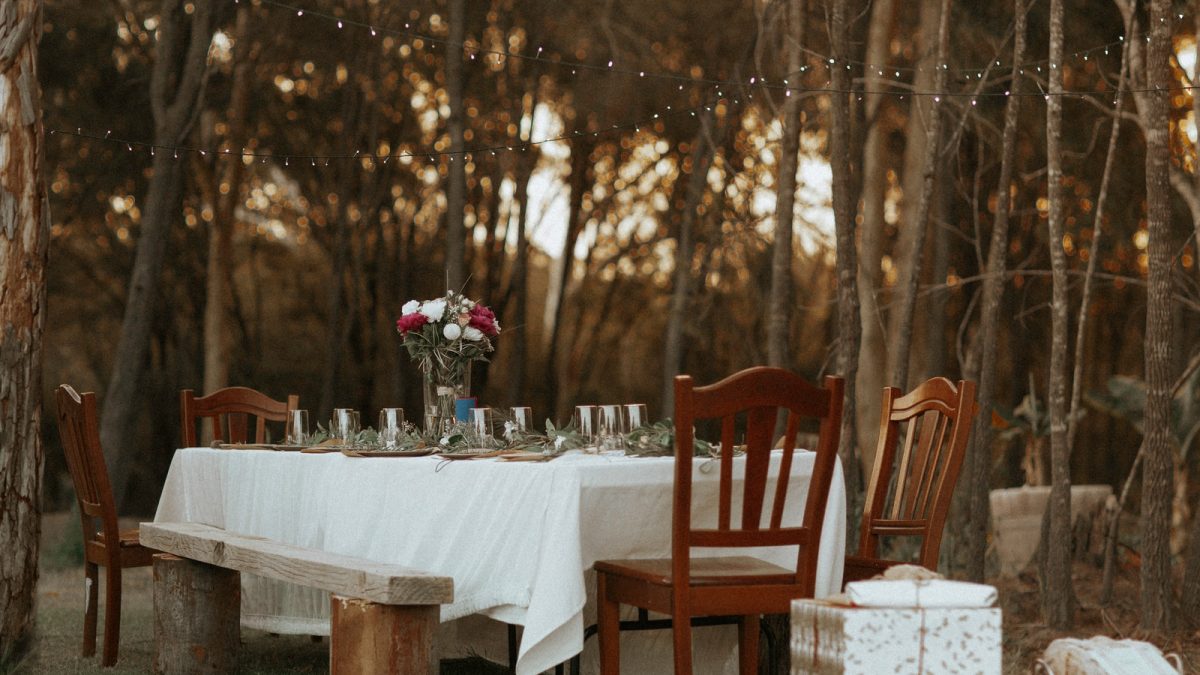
x=609 y=629
x=681 y=632
x=91 y=583
x=748 y=645
x=112 y=613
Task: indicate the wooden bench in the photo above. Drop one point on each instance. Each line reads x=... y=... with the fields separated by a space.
x=382 y=617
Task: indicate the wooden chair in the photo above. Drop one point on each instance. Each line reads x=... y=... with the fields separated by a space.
x=684 y=586
x=234 y=404
x=79 y=429
x=910 y=490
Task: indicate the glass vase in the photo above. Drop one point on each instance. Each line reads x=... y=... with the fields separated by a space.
x=442 y=387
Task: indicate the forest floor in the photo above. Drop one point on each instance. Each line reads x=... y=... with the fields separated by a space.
x=60 y=621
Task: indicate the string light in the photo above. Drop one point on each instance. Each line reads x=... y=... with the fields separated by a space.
x=898 y=71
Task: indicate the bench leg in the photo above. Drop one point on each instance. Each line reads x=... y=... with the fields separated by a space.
x=367 y=638
x=197 y=617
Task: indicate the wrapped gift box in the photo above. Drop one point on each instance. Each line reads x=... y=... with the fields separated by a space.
x=830 y=638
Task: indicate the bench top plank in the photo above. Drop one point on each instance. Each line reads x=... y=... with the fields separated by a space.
x=342 y=574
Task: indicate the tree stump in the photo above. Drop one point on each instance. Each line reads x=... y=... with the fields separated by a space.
x=368 y=638
x=197 y=616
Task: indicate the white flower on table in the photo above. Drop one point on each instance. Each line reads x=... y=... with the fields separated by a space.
x=471 y=333
x=410 y=307
x=452 y=331
x=434 y=309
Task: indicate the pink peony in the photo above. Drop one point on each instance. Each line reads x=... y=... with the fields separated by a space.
x=484 y=319
x=410 y=322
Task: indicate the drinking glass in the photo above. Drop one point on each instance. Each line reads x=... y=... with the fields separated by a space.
x=480 y=420
x=295 y=427
x=635 y=416
x=609 y=429
x=585 y=422
x=344 y=424
x=391 y=426
x=522 y=417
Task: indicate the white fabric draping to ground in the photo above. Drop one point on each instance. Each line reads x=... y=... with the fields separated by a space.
x=518 y=538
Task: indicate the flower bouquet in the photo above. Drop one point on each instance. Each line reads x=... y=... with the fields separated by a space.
x=445 y=336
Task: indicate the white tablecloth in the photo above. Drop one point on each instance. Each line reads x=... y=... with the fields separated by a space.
x=519 y=538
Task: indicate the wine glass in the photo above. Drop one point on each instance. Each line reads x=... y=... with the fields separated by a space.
x=608 y=428
x=295 y=427
x=635 y=416
x=585 y=422
x=344 y=424
x=391 y=426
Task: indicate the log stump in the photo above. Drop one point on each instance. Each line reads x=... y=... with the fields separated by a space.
x=368 y=638
x=197 y=617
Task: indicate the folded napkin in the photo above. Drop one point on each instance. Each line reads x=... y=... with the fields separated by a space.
x=920 y=593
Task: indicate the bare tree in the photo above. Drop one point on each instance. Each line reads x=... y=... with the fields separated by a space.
x=703 y=148
x=176 y=85
x=456 y=186
x=983 y=367
x=873 y=351
x=1058 y=595
x=1157 y=477
x=849 y=328
x=779 y=313
x=220 y=243
x=902 y=321
x=24 y=236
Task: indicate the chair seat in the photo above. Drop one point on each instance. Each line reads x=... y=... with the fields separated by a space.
x=718 y=571
x=860 y=568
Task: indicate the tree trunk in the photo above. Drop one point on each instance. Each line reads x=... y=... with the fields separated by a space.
x=872 y=354
x=456 y=185
x=979 y=461
x=685 y=248
x=581 y=157
x=1058 y=595
x=1157 y=481
x=24 y=236
x=910 y=264
x=779 y=312
x=176 y=88
x=220 y=243
x=519 y=338
x=849 y=328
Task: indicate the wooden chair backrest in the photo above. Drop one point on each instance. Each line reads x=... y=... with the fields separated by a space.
x=755 y=395
x=911 y=485
x=233 y=406
x=79 y=429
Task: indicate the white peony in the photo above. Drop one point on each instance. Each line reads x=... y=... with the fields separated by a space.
x=472 y=333
x=410 y=307
x=452 y=331
x=434 y=309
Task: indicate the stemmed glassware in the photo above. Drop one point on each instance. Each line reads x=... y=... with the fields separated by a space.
x=391 y=427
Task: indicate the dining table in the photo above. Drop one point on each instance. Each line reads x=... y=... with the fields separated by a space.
x=519 y=538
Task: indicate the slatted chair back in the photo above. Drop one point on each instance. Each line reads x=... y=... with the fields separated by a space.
x=750 y=402
x=228 y=411
x=79 y=429
x=922 y=441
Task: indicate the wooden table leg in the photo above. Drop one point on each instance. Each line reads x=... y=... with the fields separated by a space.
x=197 y=617
x=367 y=638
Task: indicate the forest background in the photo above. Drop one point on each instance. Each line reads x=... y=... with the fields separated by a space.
x=246 y=192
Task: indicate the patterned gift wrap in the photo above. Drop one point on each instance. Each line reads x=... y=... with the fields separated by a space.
x=830 y=639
